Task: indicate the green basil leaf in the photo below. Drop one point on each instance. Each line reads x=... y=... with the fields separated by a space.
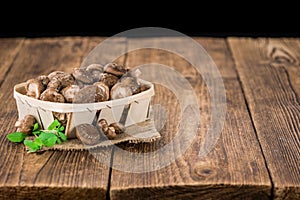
x=62 y=136
x=48 y=139
x=36 y=132
x=33 y=147
x=59 y=141
x=16 y=137
x=54 y=125
x=35 y=127
x=62 y=128
x=38 y=141
x=32 y=150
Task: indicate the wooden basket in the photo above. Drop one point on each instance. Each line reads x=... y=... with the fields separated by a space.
x=129 y=110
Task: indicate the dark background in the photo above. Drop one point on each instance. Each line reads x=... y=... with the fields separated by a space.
x=249 y=19
x=51 y=30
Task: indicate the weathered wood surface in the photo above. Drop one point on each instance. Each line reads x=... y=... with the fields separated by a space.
x=284 y=54
x=9 y=49
x=52 y=174
x=256 y=157
x=235 y=169
x=269 y=74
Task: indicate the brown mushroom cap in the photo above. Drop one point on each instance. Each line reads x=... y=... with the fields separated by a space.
x=108 y=79
x=120 y=90
x=55 y=74
x=34 y=88
x=81 y=84
x=54 y=84
x=119 y=128
x=94 y=67
x=66 y=80
x=88 y=94
x=131 y=82
x=61 y=117
x=88 y=134
x=26 y=124
x=102 y=91
x=52 y=95
x=82 y=75
x=59 y=80
x=115 y=69
x=44 y=80
x=70 y=92
x=94 y=71
x=102 y=122
x=110 y=133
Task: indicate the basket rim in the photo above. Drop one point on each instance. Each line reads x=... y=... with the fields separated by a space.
x=80 y=107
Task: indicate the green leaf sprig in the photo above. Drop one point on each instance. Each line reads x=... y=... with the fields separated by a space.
x=48 y=138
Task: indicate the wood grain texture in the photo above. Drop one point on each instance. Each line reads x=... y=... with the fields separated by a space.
x=53 y=174
x=285 y=54
x=234 y=169
x=9 y=48
x=268 y=70
x=38 y=193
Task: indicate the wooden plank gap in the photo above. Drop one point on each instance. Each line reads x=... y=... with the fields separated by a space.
x=274 y=108
x=108 y=192
x=251 y=117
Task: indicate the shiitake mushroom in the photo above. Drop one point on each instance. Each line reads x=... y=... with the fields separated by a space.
x=94 y=83
x=26 y=124
x=34 y=88
x=115 y=69
x=87 y=134
x=70 y=92
x=52 y=95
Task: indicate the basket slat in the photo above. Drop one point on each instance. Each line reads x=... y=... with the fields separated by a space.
x=46 y=117
x=25 y=109
x=138 y=112
x=112 y=114
x=77 y=118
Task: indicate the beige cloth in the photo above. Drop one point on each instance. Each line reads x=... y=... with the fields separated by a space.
x=137 y=133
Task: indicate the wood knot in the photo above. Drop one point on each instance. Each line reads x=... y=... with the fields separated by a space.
x=282 y=56
x=205 y=171
x=77 y=45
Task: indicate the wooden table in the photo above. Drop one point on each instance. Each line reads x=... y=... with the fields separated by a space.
x=256 y=157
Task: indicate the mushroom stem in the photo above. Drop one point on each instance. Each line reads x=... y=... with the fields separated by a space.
x=34 y=88
x=26 y=124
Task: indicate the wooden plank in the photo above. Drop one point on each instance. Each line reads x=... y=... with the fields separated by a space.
x=265 y=68
x=234 y=169
x=65 y=174
x=59 y=174
x=285 y=54
x=9 y=49
x=221 y=56
x=37 y=193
